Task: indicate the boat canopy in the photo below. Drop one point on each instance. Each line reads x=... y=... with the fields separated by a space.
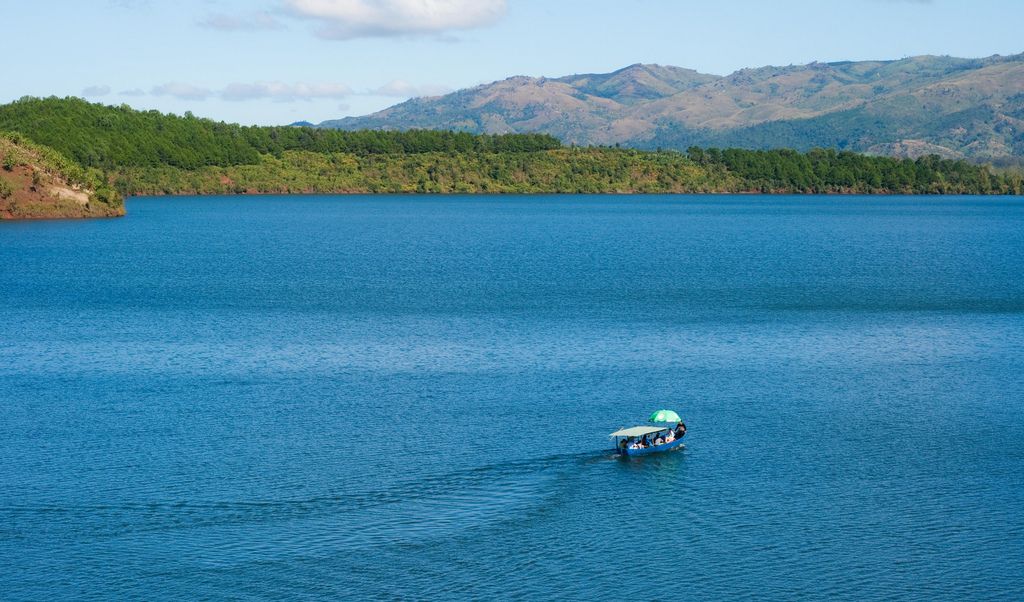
x=639 y=431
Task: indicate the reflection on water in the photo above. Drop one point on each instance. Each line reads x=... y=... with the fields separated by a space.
x=654 y=462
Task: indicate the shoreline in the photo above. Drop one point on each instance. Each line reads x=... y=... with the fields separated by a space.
x=511 y=194
x=717 y=194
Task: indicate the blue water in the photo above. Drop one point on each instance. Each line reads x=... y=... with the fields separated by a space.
x=381 y=398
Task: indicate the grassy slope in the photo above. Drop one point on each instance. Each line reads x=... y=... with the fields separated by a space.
x=38 y=182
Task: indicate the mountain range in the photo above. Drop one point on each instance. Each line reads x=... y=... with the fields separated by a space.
x=952 y=107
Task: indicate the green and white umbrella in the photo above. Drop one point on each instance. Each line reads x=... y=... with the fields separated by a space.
x=665 y=416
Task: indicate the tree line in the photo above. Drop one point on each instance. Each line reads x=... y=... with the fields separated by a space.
x=830 y=171
x=149 y=152
x=110 y=137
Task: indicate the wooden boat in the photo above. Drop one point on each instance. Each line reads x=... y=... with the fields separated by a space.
x=623 y=439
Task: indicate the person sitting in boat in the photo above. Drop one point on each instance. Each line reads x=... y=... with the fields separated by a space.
x=659 y=440
x=670 y=437
x=680 y=430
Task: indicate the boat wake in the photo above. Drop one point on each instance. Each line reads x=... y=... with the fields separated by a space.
x=412 y=512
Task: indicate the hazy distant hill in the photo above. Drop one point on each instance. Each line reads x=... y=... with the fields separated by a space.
x=916 y=106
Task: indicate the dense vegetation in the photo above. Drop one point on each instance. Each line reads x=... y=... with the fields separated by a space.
x=115 y=137
x=825 y=171
x=587 y=170
x=101 y=150
x=579 y=170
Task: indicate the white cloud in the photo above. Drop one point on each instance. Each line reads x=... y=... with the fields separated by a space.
x=347 y=19
x=284 y=92
x=131 y=4
x=404 y=89
x=276 y=91
x=182 y=91
x=250 y=22
x=95 y=91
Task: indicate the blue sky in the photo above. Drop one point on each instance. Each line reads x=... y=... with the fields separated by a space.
x=278 y=61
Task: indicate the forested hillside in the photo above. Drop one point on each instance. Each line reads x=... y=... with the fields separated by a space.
x=578 y=170
x=113 y=137
x=95 y=154
x=825 y=171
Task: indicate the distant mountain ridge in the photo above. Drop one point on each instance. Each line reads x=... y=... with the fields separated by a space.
x=953 y=107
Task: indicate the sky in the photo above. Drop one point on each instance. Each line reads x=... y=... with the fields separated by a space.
x=280 y=61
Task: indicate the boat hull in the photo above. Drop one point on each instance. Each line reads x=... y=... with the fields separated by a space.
x=664 y=447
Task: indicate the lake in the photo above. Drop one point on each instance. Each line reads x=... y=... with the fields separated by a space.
x=409 y=397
